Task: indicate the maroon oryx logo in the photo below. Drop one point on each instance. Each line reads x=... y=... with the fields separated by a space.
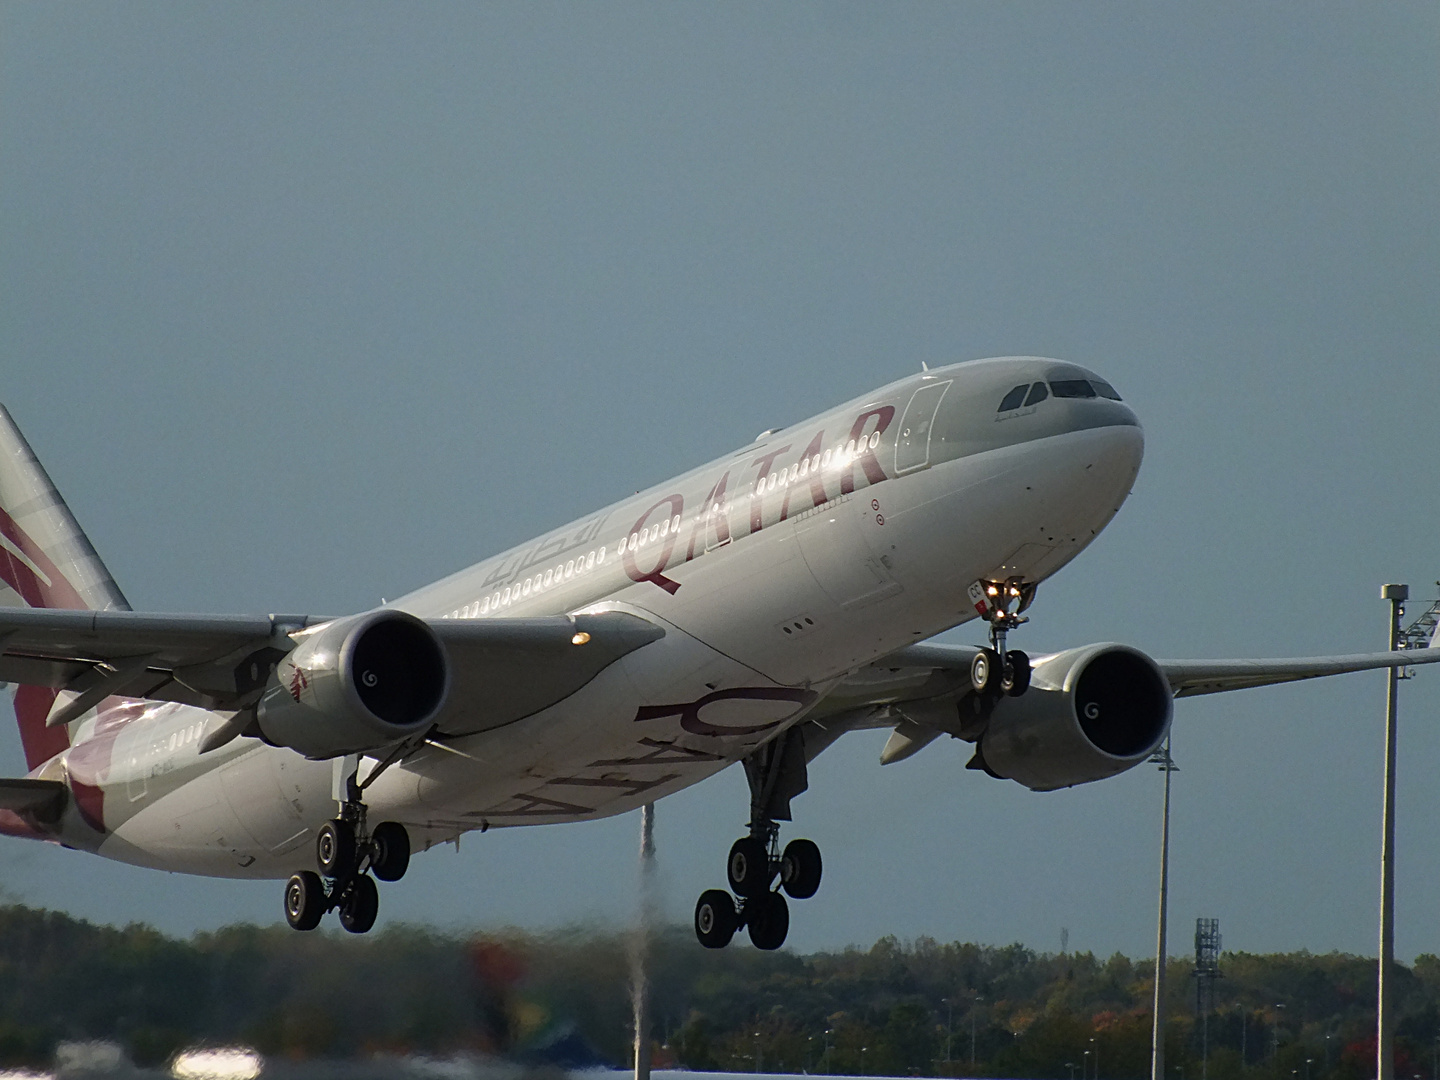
x=299 y=682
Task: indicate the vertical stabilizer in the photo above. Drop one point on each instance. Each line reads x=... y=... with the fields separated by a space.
x=46 y=561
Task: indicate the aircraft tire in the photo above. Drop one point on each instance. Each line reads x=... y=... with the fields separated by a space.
x=985 y=673
x=305 y=900
x=748 y=867
x=1016 y=679
x=716 y=919
x=335 y=848
x=767 y=917
x=800 y=869
x=360 y=905
x=390 y=855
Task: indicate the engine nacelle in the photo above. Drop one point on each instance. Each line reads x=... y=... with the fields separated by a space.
x=1090 y=713
x=355 y=685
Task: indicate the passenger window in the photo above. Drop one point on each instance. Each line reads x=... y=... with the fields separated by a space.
x=1014 y=399
x=1038 y=393
x=1071 y=388
x=1104 y=389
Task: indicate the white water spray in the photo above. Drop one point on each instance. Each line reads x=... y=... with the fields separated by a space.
x=640 y=943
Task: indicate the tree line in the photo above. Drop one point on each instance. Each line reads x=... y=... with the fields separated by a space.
x=920 y=1008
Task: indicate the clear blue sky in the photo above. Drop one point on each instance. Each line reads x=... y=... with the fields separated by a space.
x=306 y=305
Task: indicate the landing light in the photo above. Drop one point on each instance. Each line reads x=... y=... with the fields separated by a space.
x=580 y=638
x=222 y=1063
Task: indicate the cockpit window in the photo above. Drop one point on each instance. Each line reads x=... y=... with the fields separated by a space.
x=1014 y=398
x=1038 y=393
x=1104 y=389
x=1071 y=388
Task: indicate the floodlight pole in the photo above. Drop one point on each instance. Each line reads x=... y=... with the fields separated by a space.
x=1157 y=1036
x=1385 y=1013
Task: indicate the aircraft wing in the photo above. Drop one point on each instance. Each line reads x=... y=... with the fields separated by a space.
x=505 y=669
x=1188 y=678
x=515 y=666
x=916 y=690
x=212 y=661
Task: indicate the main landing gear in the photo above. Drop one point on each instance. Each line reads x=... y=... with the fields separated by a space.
x=998 y=671
x=752 y=867
x=776 y=773
x=347 y=854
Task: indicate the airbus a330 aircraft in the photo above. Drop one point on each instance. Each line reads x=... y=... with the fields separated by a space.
x=752 y=610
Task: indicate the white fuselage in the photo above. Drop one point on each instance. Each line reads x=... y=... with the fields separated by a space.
x=775 y=571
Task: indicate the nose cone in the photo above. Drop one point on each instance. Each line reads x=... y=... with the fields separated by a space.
x=1010 y=401
x=1088 y=469
x=1119 y=450
x=1071 y=485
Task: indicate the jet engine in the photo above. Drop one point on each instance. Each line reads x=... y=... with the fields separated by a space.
x=1089 y=713
x=355 y=685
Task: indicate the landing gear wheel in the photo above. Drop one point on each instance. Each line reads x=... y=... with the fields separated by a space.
x=305 y=900
x=359 y=905
x=800 y=869
x=768 y=918
x=716 y=919
x=748 y=867
x=985 y=672
x=335 y=848
x=1016 y=679
x=390 y=851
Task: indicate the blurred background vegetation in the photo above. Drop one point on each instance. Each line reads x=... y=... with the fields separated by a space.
x=895 y=1008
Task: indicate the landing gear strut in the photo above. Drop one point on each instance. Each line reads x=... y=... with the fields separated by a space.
x=998 y=671
x=759 y=873
x=347 y=854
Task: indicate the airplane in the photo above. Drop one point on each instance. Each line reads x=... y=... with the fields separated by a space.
x=752 y=610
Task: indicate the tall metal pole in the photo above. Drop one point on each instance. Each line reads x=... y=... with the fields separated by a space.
x=1385 y=1013
x=950 y=1028
x=1157 y=1035
x=640 y=956
x=975 y=1000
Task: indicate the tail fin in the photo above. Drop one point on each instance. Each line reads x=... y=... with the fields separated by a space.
x=46 y=561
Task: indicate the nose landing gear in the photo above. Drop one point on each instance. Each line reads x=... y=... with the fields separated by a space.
x=758 y=872
x=347 y=854
x=999 y=671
